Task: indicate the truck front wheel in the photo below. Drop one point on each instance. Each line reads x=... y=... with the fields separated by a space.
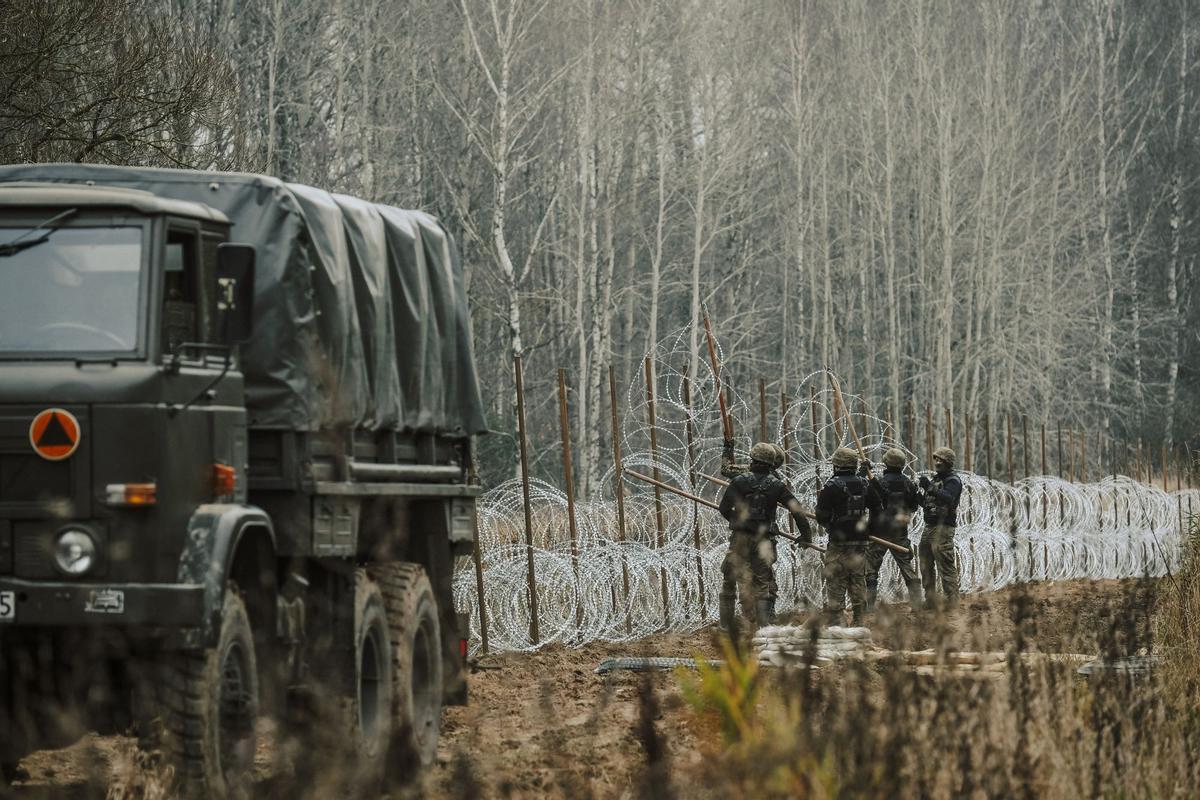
x=417 y=667
x=211 y=704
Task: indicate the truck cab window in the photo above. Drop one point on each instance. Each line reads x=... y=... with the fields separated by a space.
x=181 y=307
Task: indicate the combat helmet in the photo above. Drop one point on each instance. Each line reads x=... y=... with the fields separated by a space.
x=895 y=458
x=844 y=458
x=766 y=453
x=945 y=454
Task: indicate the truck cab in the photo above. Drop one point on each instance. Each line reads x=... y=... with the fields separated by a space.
x=178 y=569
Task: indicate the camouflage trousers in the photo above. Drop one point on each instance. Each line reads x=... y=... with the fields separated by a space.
x=845 y=573
x=877 y=554
x=748 y=573
x=937 y=551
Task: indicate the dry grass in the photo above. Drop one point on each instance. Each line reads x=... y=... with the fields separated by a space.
x=1038 y=729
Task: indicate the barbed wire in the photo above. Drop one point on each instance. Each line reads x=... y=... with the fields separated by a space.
x=613 y=587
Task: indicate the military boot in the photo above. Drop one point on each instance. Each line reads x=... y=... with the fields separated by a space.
x=915 y=598
x=764 y=612
x=728 y=615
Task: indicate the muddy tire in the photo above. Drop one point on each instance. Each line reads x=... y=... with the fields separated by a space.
x=210 y=704
x=417 y=668
x=370 y=719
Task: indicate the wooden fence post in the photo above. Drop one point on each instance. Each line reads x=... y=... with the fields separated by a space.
x=521 y=433
x=691 y=465
x=658 y=507
x=764 y=436
x=477 y=551
x=987 y=440
x=569 y=485
x=619 y=489
x=1009 y=448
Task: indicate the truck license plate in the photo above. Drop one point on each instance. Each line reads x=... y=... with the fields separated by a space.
x=8 y=606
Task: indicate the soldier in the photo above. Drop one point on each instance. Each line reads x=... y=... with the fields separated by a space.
x=940 y=498
x=899 y=499
x=844 y=507
x=749 y=503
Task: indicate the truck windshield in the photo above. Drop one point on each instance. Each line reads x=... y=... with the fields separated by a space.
x=75 y=292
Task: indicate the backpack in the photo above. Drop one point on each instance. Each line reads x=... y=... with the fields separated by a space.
x=855 y=490
x=760 y=496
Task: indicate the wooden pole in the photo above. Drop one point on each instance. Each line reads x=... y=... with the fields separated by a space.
x=910 y=435
x=1166 y=468
x=763 y=435
x=1009 y=448
x=969 y=443
x=477 y=551
x=1071 y=449
x=691 y=465
x=812 y=405
x=523 y=439
x=569 y=483
x=1083 y=457
x=1061 y=472
x=658 y=507
x=1044 y=449
x=726 y=423
x=1025 y=443
x=987 y=441
x=929 y=435
x=619 y=489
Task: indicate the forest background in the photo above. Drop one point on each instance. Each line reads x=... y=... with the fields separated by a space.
x=983 y=205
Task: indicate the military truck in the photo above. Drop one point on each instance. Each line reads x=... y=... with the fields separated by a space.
x=235 y=428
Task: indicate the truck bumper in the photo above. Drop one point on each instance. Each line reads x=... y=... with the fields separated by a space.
x=111 y=604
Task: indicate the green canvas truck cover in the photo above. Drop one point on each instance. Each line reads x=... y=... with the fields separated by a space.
x=360 y=311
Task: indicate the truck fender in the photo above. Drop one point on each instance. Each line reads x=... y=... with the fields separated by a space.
x=213 y=535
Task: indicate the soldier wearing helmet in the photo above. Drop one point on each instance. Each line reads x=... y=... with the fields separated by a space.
x=939 y=499
x=750 y=503
x=844 y=507
x=899 y=499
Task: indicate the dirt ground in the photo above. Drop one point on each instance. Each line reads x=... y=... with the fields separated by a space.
x=544 y=724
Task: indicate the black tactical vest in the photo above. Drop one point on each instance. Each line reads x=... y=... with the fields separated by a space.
x=760 y=492
x=855 y=509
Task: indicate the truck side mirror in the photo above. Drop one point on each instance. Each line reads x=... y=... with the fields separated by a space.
x=235 y=293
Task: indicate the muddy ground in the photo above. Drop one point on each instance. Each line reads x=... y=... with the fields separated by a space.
x=544 y=724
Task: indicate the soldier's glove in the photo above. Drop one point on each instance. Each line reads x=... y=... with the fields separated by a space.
x=924 y=483
x=804 y=529
x=864 y=468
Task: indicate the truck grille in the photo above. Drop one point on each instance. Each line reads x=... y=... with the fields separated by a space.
x=32 y=487
x=31 y=479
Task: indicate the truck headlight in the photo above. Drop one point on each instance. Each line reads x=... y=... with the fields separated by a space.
x=74 y=552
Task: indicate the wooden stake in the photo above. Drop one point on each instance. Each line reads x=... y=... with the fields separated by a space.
x=1061 y=472
x=1009 y=448
x=569 y=483
x=970 y=441
x=763 y=436
x=1025 y=443
x=477 y=551
x=812 y=405
x=987 y=439
x=726 y=423
x=910 y=436
x=658 y=507
x=523 y=439
x=691 y=465
x=619 y=490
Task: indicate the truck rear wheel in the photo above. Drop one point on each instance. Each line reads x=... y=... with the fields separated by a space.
x=417 y=666
x=371 y=698
x=210 y=705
